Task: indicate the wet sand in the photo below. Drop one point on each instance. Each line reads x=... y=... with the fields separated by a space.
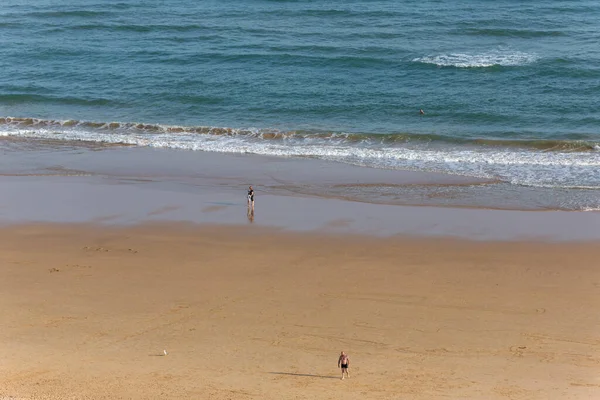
x=133 y=185
x=126 y=201
x=257 y=313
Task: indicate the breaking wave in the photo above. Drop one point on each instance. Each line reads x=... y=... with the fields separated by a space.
x=479 y=60
x=540 y=163
x=63 y=127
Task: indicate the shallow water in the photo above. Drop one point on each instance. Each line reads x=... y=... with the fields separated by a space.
x=139 y=185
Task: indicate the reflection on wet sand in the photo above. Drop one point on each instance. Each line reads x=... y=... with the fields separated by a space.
x=250 y=214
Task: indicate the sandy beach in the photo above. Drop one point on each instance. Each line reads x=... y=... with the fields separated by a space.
x=256 y=313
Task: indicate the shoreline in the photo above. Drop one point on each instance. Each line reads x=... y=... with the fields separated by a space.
x=296 y=176
x=125 y=186
x=263 y=313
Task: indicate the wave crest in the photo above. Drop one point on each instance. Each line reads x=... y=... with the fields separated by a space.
x=388 y=139
x=479 y=60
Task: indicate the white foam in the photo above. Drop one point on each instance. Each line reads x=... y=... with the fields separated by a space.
x=479 y=60
x=579 y=170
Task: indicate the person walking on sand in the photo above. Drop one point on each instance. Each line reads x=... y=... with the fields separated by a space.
x=250 y=197
x=344 y=363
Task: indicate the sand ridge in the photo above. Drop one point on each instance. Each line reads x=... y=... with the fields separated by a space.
x=87 y=311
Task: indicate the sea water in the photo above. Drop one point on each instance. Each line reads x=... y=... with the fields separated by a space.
x=510 y=89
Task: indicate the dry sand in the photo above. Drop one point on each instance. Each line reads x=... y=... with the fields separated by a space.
x=86 y=312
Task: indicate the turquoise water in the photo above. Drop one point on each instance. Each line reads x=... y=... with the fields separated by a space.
x=510 y=89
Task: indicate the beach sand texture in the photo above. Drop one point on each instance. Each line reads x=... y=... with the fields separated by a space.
x=86 y=312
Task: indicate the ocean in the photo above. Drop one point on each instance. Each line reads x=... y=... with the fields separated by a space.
x=510 y=89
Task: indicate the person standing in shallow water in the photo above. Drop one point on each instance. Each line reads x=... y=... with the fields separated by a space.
x=250 y=197
x=250 y=204
x=344 y=363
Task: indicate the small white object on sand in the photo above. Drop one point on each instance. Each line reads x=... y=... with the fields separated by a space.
x=164 y=351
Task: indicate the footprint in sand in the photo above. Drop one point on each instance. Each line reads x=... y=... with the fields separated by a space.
x=584 y=384
x=103 y=249
x=88 y=248
x=517 y=350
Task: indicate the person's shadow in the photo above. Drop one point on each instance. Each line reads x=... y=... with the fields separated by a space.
x=309 y=375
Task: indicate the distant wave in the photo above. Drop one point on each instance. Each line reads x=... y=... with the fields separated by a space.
x=480 y=60
x=506 y=32
x=38 y=98
x=336 y=13
x=70 y=14
x=10 y=24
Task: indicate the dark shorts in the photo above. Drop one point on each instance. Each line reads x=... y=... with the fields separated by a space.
x=344 y=365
